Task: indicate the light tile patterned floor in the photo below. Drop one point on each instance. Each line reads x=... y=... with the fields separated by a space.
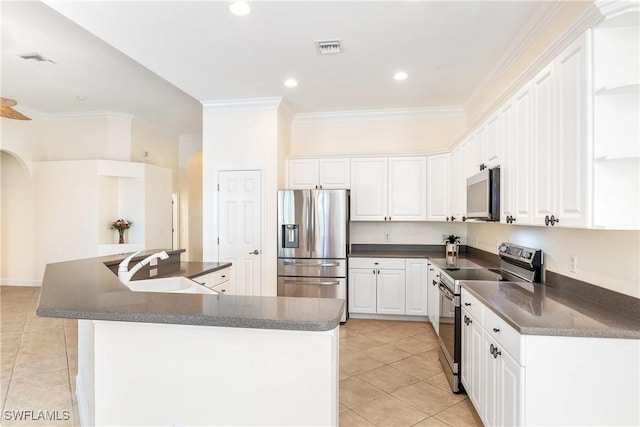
x=39 y=357
x=390 y=375
x=389 y=371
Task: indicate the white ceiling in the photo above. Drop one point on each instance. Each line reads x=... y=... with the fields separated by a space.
x=448 y=48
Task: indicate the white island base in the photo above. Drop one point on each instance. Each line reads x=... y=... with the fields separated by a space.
x=165 y=374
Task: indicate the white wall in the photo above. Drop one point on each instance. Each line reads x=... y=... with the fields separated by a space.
x=377 y=132
x=190 y=189
x=606 y=258
x=98 y=135
x=162 y=150
x=243 y=139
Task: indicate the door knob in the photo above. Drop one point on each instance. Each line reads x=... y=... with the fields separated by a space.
x=255 y=252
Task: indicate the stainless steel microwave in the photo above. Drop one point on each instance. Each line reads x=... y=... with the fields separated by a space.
x=483 y=195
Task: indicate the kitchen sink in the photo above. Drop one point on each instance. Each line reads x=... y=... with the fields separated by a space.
x=169 y=285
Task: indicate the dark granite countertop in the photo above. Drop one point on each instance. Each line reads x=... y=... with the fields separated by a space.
x=540 y=309
x=87 y=289
x=536 y=309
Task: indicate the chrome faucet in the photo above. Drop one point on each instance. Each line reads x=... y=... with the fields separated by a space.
x=125 y=275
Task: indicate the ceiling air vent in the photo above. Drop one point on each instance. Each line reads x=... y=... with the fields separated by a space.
x=329 y=46
x=36 y=57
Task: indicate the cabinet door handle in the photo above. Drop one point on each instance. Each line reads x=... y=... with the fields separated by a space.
x=553 y=220
x=255 y=252
x=223 y=276
x=496 y=330
x=467 y=304
x=546 y=220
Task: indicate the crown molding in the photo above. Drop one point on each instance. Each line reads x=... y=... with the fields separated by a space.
x=286 y=110
x=535 y=26
x=243 y=105
x=90 y=114
x=377 y=115
x=586 y=21
x=613 y=8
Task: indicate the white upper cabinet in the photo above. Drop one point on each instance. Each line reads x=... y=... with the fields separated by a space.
x=573 y=137
x=335 y=173
x=407 y=188
x=303 y=173
x=492 y=147
x=369 y=189
x=388 y=189
x=521 y=155
x=507 y=163
x=543 y=146
x=439 y=188
x=319 y=173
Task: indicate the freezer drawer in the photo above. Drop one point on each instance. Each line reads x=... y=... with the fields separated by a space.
x=312 y=287
x=312 y=267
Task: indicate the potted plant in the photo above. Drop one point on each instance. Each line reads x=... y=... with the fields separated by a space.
x=452 y=245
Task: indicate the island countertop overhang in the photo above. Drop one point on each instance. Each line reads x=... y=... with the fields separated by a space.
x=88 y=289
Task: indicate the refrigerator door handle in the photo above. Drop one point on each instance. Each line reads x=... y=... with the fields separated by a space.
x=295 y=282
x=304 y=264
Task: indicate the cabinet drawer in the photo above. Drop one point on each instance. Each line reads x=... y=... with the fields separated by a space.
x=503 y=333
x=221 y=276
x=472 y=305
x=387 y=263
x=223 y=288
x=213 y=279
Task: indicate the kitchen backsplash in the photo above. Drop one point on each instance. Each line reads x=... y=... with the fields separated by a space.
x=413 y=233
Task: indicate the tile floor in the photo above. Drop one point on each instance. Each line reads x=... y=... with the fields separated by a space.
x=389 y=371
x=390 y=375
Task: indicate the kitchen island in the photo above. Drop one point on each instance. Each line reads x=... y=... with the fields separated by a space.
x=195 y=359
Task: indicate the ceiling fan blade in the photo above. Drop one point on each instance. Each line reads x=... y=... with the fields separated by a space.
x=8 y=112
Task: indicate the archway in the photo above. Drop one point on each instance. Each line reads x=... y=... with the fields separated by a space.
x=17 y=235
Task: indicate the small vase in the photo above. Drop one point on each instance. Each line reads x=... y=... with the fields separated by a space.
x=121 y=234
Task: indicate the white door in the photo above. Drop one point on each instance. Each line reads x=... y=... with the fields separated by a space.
x=239 y=228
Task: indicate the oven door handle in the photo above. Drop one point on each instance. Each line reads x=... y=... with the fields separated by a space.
x=321 y=283
x=449 y=295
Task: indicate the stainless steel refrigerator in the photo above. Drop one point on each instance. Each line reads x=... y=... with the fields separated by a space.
x=313 y=239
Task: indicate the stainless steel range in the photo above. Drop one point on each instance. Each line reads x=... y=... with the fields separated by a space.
x=517 y=264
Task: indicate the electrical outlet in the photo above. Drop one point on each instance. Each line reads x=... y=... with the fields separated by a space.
x=153 y=262
x=153 y=272
x=444 y=237
x=387 y=238
x=573 y=264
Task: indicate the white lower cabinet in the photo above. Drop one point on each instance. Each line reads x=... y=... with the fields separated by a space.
x=433 y=296
x=491 y=375
x=390 y=291
x=416 y=298
x=219 y=280
x=538 y=380
x=388 y=286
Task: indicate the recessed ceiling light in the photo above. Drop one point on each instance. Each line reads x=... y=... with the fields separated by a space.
x=239 y=8
x=290 y=83
x=400 y=75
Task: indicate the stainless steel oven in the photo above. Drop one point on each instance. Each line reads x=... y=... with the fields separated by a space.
x=450 y=334
x=516 y=264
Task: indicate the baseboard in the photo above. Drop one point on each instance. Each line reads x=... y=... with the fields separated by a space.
x=20 y=282
x=373 y=316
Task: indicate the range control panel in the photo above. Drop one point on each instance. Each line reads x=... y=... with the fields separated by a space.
x=520 y=254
